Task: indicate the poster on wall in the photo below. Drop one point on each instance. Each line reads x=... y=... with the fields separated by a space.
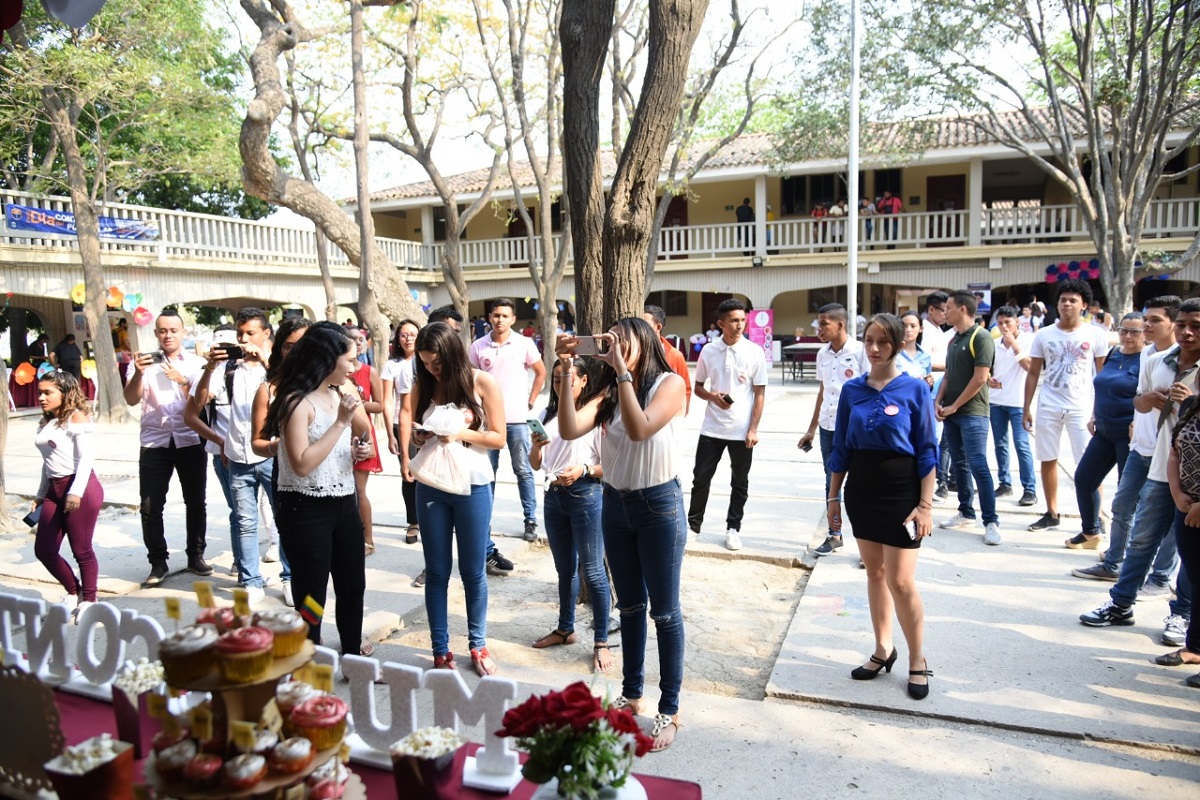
x=39 y=220
x=760 y=329
x=983 y=293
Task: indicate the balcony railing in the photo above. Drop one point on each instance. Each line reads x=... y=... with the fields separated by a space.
x=186 y=235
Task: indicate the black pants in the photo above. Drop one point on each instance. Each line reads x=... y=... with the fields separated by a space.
x=407 y=490
x=323 y=537
x=708 y=455
x=155 y=465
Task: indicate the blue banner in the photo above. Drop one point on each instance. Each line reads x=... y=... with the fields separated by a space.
x=38 y=220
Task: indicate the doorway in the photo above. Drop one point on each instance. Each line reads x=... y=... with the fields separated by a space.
x=945 y=193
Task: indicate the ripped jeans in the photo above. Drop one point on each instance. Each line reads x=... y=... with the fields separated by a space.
x=644 y=534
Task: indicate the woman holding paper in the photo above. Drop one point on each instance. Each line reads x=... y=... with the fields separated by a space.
x=444 y=376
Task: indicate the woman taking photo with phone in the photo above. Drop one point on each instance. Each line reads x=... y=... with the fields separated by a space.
x=884 y=440
x=638 y=401
x=444 y=376
x=315 y=505
x=572 y=512
x=70 y=493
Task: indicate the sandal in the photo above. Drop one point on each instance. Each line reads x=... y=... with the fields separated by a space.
x=369 y=548
x=1174 y=659
x=444 y=662
x=634 y=706
x=555 y=638
x=410 y=536
x=367 y=648
x=481 y=659
x=598 y=663
x=661 y=723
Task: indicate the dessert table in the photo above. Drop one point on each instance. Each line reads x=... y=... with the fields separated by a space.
x=84 y=717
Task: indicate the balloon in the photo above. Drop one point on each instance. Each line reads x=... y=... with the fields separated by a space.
x=1094 y=263
x=131 y=301
x=43 y=369
x=526 y=299
x=87 y=368
x=537 y=306
x=1062 y=276
x=1074 y=265
x=78 y=294
x=24 y=374
x=1052 y=269
x=1094 y=273
x=415 y=294
x=1052 y=278
x=142 y=316
x=75 y=13
x=115 y=296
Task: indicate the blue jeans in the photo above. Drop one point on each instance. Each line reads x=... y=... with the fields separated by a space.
x=576 y=538
x=967 y=438
x=1152 y=527
x=444 y=517
x=1109 y=447
x=644 y=534
x=1005 y=418
x=225 y=478
x=519 y=442
x=826 y=454
x=245 y=481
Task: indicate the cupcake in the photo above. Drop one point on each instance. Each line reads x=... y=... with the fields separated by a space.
x=164 y=739
x=288 y=695
x=264 y=743
x=328 y=789
x=187 y=655
x=244 y=654
x=244 y=771
x=292 y=755
x=333 y=769
x=171 y=761
x=289 y=628
x=321 y=719
x=202 y=770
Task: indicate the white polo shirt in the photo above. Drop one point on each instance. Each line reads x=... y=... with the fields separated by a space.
x=508 y=362
x=834 y=369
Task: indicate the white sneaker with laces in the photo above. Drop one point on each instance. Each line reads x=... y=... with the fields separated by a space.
x=733 y=541
x=1175 y=631
x=991 y=534
x=958 y=521
x=254 y=595
x=272 y=554
x=79 y=609
x=288 y=600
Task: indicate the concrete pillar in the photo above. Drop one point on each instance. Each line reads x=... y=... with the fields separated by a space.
x=760 y=215
x=975 y=202
x=427 y=225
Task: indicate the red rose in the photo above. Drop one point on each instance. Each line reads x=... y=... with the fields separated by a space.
x=575 y=706
x=621 y=721
x=525 y=719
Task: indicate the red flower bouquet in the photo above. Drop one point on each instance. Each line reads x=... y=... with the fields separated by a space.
x=572 y=736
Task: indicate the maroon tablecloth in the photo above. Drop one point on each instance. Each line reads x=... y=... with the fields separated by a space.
x=81 y=718
x=26 y=396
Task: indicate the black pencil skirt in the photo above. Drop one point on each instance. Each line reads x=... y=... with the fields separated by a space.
x=882 y=489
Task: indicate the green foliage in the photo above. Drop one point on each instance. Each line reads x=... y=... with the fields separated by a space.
x=151 y=86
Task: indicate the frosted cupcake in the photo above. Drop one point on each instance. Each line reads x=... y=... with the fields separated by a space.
x=171 y=761
x=202 y=770
x=321 y=720
x=187 y=655
x=292 y=755
x=244 y=771
x=289 y=628
x=264 y=743
x=288 y=695
x=244 y=654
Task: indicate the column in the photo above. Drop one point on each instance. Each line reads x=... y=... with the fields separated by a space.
x=760 y=216
x=975 y=202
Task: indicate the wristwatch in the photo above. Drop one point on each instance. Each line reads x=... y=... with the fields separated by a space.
x=626 y=378
x=587 y=470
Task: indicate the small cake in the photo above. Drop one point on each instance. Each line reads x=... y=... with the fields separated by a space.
x=264 y=743
x=288 y=695
x=171 y=761
x=187 y=655
x=245 y=771
x=289 y=628
x=202 y=770
x=164 y=739
x=328 y=789
x=224 y=618
x=244 y=654
x=292 y=755
x=320 y=719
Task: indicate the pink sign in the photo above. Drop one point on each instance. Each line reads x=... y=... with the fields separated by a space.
x=760 y=328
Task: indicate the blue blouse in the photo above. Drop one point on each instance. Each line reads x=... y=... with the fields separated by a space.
x=1116 y=384
x=918 y=366
x=899 y=419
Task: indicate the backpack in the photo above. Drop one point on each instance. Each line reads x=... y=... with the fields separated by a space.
x=208 y=414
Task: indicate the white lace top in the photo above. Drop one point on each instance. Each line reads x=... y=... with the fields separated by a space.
x=333 y=477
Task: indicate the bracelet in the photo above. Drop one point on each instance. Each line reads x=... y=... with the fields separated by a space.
x=833 y=499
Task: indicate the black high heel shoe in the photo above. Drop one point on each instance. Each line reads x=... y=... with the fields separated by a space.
x=866 y=673
x=919 y=691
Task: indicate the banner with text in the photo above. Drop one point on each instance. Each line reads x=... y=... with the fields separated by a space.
x=38 y=220
x=760 y=329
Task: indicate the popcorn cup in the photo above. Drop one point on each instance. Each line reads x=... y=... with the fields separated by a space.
x=111 y=780
x=423 y=778
x=134 y=723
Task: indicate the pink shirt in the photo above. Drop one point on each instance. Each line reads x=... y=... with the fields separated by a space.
x=163 y=402
x=509 y=364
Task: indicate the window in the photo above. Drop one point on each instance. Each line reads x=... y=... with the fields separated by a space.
x=672 y=301
x=556 y=216
x=793 y=195
x=439 y=223
x=887 y=180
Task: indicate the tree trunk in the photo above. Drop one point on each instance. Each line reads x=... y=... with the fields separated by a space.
x=584 y=30
x=5 y=522
x=326 y=275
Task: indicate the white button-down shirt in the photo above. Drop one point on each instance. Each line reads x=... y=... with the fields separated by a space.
x=163 y=402
x=834 y=369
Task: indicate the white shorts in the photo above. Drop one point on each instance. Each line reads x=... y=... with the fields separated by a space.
x=1048 y=427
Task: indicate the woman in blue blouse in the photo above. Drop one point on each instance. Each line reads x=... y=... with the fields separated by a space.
x=1112 y=414
x=884 y=439
x=912 y=358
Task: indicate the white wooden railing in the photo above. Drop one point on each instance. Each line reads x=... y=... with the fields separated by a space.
x=185 y=235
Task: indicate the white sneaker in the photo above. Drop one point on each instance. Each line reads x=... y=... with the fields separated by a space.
x=287 y=594
x=272 y=554
x=959 y=521
x=991 y=534
x=1175 y=631
x=70 y=601
x=79 y=609
x=254 y=595
x=733 y=541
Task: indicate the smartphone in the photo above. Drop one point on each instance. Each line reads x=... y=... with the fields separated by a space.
x=806 y=447
x=911 y=527
x=233 y=351
x=589 y=346
x=31 y=519
x=727 y=398
x=157 y=357
x=536 y=426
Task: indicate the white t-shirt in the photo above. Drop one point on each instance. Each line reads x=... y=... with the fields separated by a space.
x=1007 y=370
x=1145 y=426
x=833 y=370
x=1159 y=372
x=561 y=453
x=734 y=370
x=239 y=410
x=1069 y=365
x=934 y=341
x=401 y=374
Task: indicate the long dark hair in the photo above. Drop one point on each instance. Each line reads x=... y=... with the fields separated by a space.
x=580 y=368
x=920 y=326
x=395 y=351
x=651 y=364
x=73 y=398
x=287 y=326
x=309 y=364
x=458 y=376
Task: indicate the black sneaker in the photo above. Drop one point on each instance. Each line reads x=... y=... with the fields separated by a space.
x=530 y=531
x=199 y=566
x=830 y=544
x=1108 y=614
x=419 y=581
x=1004 y=490
x=1047 y=521
x=941 y=493
x=1027 y=499
x=498 y=564
x=157 y=573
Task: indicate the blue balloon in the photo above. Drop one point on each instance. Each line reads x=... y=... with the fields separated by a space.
x=1052 y=269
